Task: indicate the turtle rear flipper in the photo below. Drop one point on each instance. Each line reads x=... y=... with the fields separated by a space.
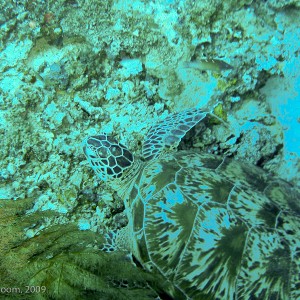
x=167 y=133
x=116 y=240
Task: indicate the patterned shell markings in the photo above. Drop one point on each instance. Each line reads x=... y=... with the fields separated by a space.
x=217 y=229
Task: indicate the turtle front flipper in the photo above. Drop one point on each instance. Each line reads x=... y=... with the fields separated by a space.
x=168 y=133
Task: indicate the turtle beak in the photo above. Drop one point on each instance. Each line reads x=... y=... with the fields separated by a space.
x=87 y=149
x=84 y=148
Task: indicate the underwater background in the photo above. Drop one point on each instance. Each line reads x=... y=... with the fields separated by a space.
x=73 y=68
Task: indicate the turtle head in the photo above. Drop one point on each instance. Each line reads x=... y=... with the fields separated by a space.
x=107 y=156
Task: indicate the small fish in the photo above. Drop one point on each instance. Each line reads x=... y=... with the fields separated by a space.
x=215 y=65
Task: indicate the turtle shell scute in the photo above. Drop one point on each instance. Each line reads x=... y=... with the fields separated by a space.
x=218 y=228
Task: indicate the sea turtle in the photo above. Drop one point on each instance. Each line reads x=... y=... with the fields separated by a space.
x=214 y=227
